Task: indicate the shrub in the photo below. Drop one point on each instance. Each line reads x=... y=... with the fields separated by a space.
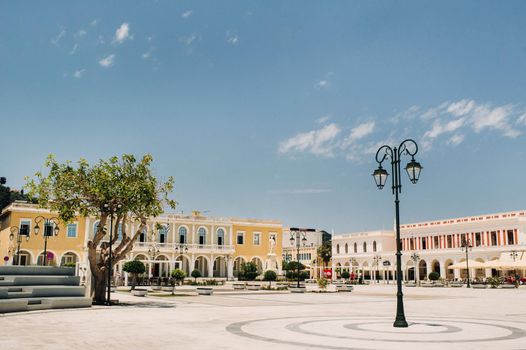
x=178 y=274
x=434 y=276
x=322 y=283
x=134 y=267
x=249 y=271
x=494 y=281
x=346 y=275
x=196 y=274
x=270 y=276
x=70 y=264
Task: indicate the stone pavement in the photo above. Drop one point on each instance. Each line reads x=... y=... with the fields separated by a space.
x=439 y=318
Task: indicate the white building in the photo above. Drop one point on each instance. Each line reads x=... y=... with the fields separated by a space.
x=434 y=245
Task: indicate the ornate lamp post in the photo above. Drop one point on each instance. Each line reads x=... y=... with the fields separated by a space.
x=377 y=260
x=467 y=246
x=49 y=231
x=19 y=232
x=416 y=258
x=299 y=237
x=413 y=169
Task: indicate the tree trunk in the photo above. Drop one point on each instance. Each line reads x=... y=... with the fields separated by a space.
x=100 y=289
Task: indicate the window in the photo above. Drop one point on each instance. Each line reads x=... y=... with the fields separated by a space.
x=493 y=238
x=337 y=249
x=240 y=238
x=510 y=237
x=163 y=233
x=119 y=232
x=346 y=248
x=355 y=248
x=449 y=241
x=257 y=238
x=374 y=246
x=364 y=247
x=182 y=235
x=142 y=236
x=202 y=235
x=424 y=243
x=72 y=231
x=412 y=244
x=25 y=227
x=220 y=236
x=478 y=241
x=436 y=243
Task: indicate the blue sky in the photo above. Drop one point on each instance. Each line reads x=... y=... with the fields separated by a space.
x=274 y=109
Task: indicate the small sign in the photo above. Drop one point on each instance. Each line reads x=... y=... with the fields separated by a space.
x=387 y=263
x=6 y=258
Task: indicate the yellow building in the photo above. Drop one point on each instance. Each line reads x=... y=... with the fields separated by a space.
x=215 y=246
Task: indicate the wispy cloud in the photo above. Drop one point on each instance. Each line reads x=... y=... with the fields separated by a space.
x=322 y=84
x=231 y=38
x=80 y=33
x=320 y=142
x=73 y=49
x=123 y=33
x=79 y=73
x=186 y=14
x=148 y=54
x=61 y=34
x=358 y=133
x=107 y=61
x=322 y=120
x=190 y=39
x=93 y=23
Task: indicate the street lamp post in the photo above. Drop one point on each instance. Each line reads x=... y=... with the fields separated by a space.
x=377 y=260
x=19 y=232
x=299 y=236
x=49 y=231
x=415 y=257
x=413 y=169
x=467 y=246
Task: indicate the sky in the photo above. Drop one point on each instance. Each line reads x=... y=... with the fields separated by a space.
x=273 y=109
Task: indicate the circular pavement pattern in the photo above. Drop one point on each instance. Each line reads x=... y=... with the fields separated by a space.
x=369 y=332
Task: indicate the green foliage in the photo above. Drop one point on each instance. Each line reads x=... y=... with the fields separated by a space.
x=345 y=275
x=70 y=264
x=270 y=275
x=322 y=283
x=196 y=274
x=8 y=196
x=178 y=274
x=494 y=281
x=293 y=275
x=134 y=267
x=249 y=271
x=293 y=266
x=325 y=252
x=434 y=276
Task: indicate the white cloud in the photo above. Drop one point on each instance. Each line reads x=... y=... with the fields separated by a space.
x=318 y=142
x=323 y=119
x=148 y=53
x=486 y=117
x=322 y=84
x=186 y=14
x=79 y=34
x=461 y=107
x=122 y=33
x=358 y=133
x=60 y=35
x=100 y=39
x=233 y=39
x=439 y=128
x=93 y=23
x=79 y=73
x=188 y=40
x=74 y=49
x=107 y=61
x=455 y=139
x=522 y=119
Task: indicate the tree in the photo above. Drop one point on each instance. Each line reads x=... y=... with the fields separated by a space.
x=249 y=271
x=325 y=252
x=270 y=276
x=345 y=275
x=196 y=274
x=292 y=271
x=434 y=276
x=178 y=275
x=121 y=188
x=135 y=268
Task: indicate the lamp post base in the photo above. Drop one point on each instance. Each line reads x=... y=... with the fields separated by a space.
x=400 y=322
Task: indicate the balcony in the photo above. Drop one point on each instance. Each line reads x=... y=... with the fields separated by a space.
x=192 y=248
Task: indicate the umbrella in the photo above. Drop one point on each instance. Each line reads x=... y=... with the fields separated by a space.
x=473 y=264
x=500 y=264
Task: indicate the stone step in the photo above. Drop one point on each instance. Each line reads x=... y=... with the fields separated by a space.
x=14 y=295
x=41 y=291
x=36 y=270
x=33 y=280
x=17 y=305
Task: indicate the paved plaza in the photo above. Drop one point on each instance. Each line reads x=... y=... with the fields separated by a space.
x=438 y=318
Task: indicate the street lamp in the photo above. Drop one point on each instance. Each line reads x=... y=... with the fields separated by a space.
x=299 y=236
x=380 y=175
x=19 y=232
x=377 y=260
x=467 y=246
x=111 y=210
x=415 y=257
x=49 y=231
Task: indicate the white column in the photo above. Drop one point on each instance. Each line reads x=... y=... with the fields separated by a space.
x=443 y=269
x=211 y=267
x=230 y=268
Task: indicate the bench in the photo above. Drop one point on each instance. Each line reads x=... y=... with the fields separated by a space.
x=204 y=290
x=479 y=286
x=239 y=285
x=508 y=286
x=410 y=284
x=253 y=286
x=139 y=292
x=344 y=288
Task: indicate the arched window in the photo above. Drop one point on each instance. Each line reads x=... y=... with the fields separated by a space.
x=182 y=235
x=202 y=235
x=337 y=249
x=364 y=247
x=162 y=233
x=355 y=247
x=142 y=236
x=220 y=236
x=346 y=248
x=374 y=246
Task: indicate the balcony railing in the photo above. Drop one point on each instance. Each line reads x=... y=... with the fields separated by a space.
x=192 y=248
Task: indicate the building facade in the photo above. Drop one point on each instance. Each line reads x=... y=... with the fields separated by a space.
x=217 y=247
x=307 y=254
x=434 y=246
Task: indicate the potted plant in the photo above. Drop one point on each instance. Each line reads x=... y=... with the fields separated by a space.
x=178 y=276
x=196 y=274
x=270 y=276
x=134 y=267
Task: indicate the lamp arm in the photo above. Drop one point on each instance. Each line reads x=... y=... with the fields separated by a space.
x=403 y=149
x=388 y=153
